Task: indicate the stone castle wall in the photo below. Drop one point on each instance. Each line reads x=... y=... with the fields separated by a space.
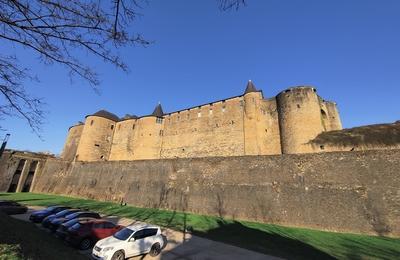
x=210 y=130
x=242 y=125
x=341 y=191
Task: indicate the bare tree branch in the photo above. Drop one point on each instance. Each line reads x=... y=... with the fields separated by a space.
x=57 y=31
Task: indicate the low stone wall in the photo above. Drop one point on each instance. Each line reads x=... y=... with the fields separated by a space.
x=355 y=192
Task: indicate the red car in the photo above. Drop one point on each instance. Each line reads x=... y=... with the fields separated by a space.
x=85 y=234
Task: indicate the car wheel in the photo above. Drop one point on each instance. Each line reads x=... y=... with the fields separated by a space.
x=119 y=255
x=85 y=244
x=155 y=249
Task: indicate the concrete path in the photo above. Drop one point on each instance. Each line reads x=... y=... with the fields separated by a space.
x=180 y=245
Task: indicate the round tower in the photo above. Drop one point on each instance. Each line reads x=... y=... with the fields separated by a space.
x=71 y=143
x=300 y=118
x=96 y=139
x=252 y=98
x=149 y=135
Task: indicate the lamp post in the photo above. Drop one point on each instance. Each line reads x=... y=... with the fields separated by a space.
x=3 y=146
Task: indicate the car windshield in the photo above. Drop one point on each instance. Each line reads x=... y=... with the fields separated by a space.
x=62 y=213
x=73 y=215
x=71 y=222
x=76 y=226
x=123 y=234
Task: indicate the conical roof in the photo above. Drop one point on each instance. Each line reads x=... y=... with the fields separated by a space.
x=158 y=112
x=250 y=87
x=129 y=116
x=106 y=114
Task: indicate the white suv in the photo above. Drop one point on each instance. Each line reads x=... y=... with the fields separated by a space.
x=131 y=241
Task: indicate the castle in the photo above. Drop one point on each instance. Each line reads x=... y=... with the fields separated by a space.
x=283 y=160
x=248 y=124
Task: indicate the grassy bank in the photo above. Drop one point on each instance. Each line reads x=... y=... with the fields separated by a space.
x=265 y=238
x=17 y=241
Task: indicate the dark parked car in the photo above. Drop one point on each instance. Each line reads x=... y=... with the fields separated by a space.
x=47 y=220
x=11 y=207
x=55 y=223
x=85 y=235
x=62 y=230
x=39 y=215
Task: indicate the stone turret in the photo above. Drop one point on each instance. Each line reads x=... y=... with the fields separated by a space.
x=252 y=102
x=97 y=134
x=158 y=111
x=300 y=118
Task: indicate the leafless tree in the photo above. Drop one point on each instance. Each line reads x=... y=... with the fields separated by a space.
x=57 y=31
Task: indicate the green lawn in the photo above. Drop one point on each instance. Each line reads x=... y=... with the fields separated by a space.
x=292 y=243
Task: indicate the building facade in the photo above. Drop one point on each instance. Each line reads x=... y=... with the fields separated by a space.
x=248 y=124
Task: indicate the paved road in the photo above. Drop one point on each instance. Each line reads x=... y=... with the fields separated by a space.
x=181 y=245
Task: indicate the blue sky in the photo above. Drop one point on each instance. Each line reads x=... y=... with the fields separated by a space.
x=348 y=50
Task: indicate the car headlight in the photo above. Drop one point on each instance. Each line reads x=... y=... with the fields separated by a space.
x=108 y=248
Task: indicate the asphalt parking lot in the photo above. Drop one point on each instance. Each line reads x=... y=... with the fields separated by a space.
x=179 y=245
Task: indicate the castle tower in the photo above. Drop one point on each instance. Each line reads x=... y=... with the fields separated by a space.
x=300 y=118
x=72 y=141
x=252 y=102
x=149 y=135
x=96 y=139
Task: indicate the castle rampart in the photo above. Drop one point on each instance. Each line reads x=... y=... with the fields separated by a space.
x=248 y=124
x=340 y=191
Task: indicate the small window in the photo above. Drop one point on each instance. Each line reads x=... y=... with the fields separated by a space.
x=139 y=234
x=211 y=111
x=199 y=114
x=232 y=122
x=91 y=122
x=133 y=126
x=298 y=106
x=97 y=145
x=223 y=109
x=322 y=147
x=159 y=120
x=161 y=132
x=102 y=157
x=112 y=127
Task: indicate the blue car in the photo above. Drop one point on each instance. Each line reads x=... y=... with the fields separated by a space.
x=39 y=215
x=47 y=220
x=56 y=222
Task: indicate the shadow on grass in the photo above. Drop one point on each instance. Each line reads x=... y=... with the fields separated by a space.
x=236 y=234
x=31 y=243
